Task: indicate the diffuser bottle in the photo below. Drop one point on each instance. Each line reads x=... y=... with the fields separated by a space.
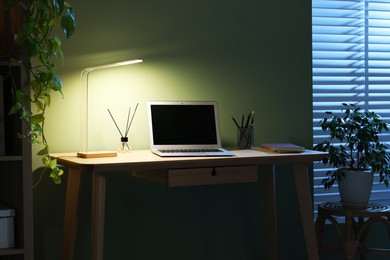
x=124 y=146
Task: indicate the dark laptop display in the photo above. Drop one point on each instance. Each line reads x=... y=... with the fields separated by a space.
x=183 y=124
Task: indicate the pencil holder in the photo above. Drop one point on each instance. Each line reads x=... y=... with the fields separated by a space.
x=124 y=146
x=245 y=137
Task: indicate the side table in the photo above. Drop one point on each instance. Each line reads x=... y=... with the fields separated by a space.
x=357 y=225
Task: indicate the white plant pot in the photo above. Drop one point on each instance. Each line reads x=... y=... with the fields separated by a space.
x=355 y=188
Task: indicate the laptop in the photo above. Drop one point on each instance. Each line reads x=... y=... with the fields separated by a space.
x=185 y=128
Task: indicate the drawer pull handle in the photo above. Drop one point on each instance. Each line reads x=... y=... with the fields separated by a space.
x=213 y=172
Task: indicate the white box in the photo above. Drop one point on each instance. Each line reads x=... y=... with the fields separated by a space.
x=6 y=227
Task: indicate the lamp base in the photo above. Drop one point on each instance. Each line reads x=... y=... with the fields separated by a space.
x=100 y=154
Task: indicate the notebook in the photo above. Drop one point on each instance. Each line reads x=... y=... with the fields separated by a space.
x=185 y=128
x=284 y=147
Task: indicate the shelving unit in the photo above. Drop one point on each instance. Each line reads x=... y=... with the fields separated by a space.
x=15 y=167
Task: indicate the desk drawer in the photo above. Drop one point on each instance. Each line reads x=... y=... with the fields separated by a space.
x=201 y=176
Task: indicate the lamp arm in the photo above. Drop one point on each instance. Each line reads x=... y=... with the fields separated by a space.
x=84 y=98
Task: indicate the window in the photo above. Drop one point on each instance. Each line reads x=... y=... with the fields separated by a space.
x=351 y=64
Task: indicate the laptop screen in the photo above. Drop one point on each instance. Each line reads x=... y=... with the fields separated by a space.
x=178 y=124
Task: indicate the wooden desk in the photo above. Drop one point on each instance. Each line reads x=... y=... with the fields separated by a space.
x=145 y=161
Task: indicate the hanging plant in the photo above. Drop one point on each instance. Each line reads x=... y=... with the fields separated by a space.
x=41 y=48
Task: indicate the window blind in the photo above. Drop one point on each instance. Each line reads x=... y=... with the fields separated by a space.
x=351 y=64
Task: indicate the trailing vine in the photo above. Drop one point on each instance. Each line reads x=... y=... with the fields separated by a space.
x=43 y=51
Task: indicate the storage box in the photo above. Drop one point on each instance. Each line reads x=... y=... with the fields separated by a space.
x=6 y=227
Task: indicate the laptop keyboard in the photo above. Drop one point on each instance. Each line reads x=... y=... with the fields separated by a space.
x=191 y=150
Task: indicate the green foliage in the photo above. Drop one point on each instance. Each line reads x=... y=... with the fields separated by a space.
x=354 y=144
x=39 y=19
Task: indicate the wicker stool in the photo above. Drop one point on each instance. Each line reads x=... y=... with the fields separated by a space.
x=357 y=225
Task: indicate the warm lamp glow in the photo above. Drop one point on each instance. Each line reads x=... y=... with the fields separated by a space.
x=84 y=105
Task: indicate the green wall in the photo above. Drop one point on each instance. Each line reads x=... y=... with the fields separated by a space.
x=243 y=54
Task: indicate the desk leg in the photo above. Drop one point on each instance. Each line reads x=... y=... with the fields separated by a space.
x=305 y=206
x=271 y=211
x=98 y=207
x=71 y=214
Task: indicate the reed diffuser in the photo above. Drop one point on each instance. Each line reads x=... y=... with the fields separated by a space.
x=124 y=141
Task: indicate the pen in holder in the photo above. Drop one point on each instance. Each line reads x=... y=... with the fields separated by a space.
x=124 y=144
x=245 y=137
x=245 y=131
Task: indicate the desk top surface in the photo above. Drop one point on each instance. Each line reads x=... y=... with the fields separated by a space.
x=145 y=159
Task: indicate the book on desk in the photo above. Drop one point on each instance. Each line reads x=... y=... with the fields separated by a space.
x=283 y=147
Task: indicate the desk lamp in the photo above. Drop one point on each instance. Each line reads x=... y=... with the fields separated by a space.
x=84 y=153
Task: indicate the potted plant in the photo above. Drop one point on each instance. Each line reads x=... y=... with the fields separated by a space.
x=38 y=50
x=355 y=152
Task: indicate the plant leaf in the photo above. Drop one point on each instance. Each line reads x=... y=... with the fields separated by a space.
x=44 y=151
x=68 y=23
x=53 y=164
x=37 y=119
x=22 y=96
